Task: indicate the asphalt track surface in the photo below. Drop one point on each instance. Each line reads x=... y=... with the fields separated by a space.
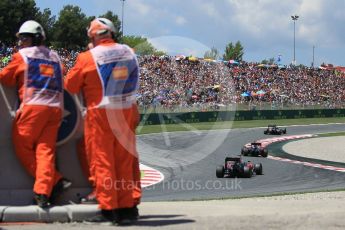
x=188 y=177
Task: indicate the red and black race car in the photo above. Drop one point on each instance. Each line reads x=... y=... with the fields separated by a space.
x=235 y=166
x=274 y=130
x=254 y=149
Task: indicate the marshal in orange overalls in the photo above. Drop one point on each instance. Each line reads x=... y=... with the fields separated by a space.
x=108 y=76
x=37 y=73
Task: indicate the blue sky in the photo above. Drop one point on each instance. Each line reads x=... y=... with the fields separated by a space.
x=264 y=27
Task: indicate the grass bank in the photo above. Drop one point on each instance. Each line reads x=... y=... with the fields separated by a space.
x=331 y=134
x=233 y=124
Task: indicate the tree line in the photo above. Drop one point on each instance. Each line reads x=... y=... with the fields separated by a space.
x=68 y=30
x=231 y=52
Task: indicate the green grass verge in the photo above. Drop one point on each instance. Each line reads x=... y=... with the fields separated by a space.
x=235 y=124
x=331 y=134
x=142 y=174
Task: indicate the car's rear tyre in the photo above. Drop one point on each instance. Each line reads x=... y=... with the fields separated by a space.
x=247 y=172
x=220 y=172
x=265 y=132
x=258 y=169
x=264 y=153
x=244 y=151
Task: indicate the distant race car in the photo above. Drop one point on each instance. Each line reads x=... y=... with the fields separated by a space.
x=254 y=149
x=274 y=130
x=235 y=166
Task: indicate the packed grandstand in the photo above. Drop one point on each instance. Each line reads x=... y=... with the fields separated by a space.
x=178 y=83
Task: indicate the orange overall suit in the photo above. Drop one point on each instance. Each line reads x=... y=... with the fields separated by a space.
x=108 y=77
x=37 y=73
x=82 y=155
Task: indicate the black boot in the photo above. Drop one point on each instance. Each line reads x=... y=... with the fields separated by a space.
x=62 y=185
x=128 y=215
x=41 y=200
x=106 y=217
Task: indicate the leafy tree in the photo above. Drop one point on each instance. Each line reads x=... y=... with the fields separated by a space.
x=159 y=53
x=133 y=41
x=229 y=52
x=70 y=28
x=265 y=61
x=12 y=14
x=270 y=61
x=234 y=52
x=212 y=54
x=117 y=23
x=141 y=45
x=145 y=48
x=239 y=51
x=47 y=21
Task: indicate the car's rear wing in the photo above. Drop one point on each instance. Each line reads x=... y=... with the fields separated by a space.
x=256 y=143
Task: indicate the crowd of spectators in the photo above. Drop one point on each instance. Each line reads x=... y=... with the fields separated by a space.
x=67 y=57
x=179 y=84
x=204 y=85
x=170 y=83
x=5 y=54
x=293 y=86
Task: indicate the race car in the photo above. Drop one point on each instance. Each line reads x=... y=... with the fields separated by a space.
x=274 y=130
x=254 y=149
x=235 y=166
